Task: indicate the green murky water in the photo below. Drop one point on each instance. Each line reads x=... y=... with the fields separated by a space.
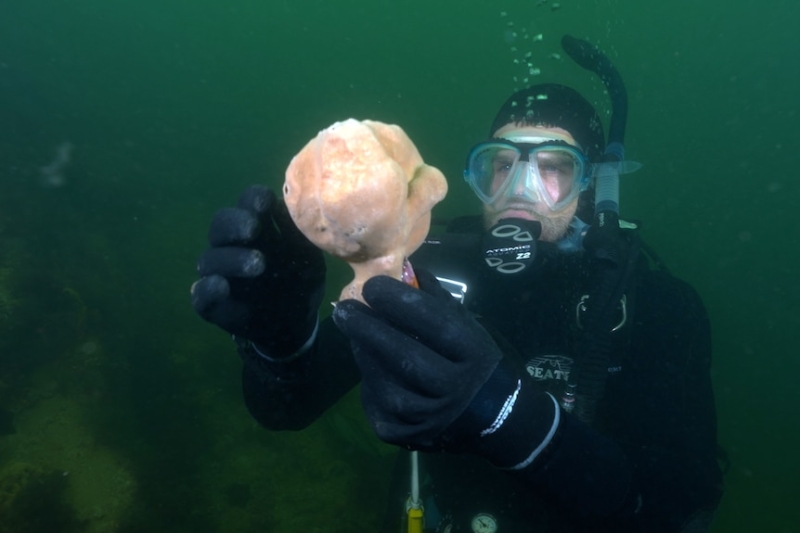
x=124 y=125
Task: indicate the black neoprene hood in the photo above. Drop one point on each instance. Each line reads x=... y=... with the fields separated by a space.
x=554 y=105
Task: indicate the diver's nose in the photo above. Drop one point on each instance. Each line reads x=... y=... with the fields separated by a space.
x=522 y=180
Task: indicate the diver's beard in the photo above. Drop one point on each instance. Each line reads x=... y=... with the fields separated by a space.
x=554 y=224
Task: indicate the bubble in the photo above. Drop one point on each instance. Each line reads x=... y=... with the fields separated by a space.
x=510 y=36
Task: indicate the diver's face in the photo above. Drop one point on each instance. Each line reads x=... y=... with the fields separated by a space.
x=554 y=223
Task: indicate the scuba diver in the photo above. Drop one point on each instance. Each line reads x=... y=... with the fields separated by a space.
x=547 y=375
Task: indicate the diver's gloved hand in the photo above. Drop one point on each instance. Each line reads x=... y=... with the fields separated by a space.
x=434 y=379
x=261 y=280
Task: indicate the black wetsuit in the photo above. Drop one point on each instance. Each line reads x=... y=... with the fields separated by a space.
x=658 y=407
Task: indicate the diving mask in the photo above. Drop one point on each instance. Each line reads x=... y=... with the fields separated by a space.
x=534 y=168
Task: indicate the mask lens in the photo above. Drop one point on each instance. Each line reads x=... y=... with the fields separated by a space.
x=539 y=172
x=489 y=168
x=559 y=173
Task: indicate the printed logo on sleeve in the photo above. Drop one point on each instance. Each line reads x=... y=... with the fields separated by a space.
x=549 y=367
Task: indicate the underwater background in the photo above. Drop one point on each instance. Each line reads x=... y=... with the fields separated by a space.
x=124 y=125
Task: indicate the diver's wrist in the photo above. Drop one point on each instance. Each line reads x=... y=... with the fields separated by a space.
x=526 y=434
x=271 y=357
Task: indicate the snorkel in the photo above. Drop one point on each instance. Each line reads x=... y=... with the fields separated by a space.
x=606 y=203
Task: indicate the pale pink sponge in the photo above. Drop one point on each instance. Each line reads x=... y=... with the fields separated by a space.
x=360 y=191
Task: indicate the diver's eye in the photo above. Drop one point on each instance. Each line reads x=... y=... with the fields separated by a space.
x=503 y=160
x=549 y=169
x=502 y=165
x=555 y=164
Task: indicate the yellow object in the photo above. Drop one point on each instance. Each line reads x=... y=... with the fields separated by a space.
x=415 y=520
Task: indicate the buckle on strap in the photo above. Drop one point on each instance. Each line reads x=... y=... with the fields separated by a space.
x=623 y=307
x=457 y=289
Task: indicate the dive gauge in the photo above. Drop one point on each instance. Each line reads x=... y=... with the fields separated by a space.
x=484 y=523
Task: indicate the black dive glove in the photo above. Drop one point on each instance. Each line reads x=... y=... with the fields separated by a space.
x=261 y=280
x=434 y=379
